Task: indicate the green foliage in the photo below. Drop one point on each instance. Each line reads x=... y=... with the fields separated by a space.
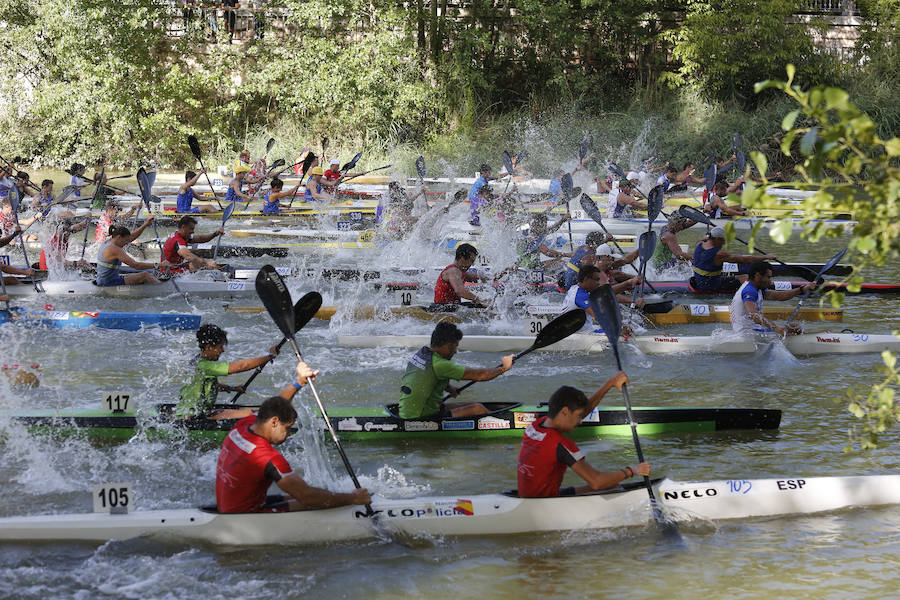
x=852 y=170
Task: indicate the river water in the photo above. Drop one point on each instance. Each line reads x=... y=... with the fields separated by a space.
x=847 y=554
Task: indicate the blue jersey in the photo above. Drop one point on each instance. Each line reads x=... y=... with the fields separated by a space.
x=183 y=202
x=270 y=207
x=307 y=195
x=707 y=275
x=230 y=196
x=474 y=201
x=573 y=266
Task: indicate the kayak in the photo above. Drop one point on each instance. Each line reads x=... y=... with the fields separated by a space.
x=234 y=289
x=504 y=420
x=685 y=287
x=103 y=320
x=466 y=514
x=592 y=343
x=712 y=313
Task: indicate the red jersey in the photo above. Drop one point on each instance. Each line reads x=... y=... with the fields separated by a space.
x=247 y=466
x=543 y=460
x=58 y=246
x=443 y=291
x=331 y=176
x=171 y=254
x=101 y=234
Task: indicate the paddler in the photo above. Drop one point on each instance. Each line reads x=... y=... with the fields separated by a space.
x=315 y=187
x=622 y=203
x=108 y=219
x=588 y=249
x=333 y=174
x=716 y=206
x=534 y=243
x=55 y=250
x=186 y=195
x=450 y=287
x=177 y=252
x=8 y=221
x=110 y=257
x=555 y=189
x=102 y=192
x=271 y=206
x=429 y=372
x=667 y=179
x=546 y=452
x=475 y=200
x=5 y=240
x=396 y=210
x=198 y=396
x=78 y=179
x=609 y=265
x=237 y=182
x=708 y=259
x=746 y=307
x=249 y=464
x=6 y=180
x=668 y=253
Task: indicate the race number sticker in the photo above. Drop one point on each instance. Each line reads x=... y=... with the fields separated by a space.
x=728 y=267
x=343 y=225
x=116 y=402
x=218 y=182
x=404 y=297
x=577 y=214
x=113 y=498
x=156 y=207
x=366 y=236
x=534 y=276
x=483 y=262
x=783 y=285
x=235 y=286
x=699 y=310
x=356 y=216
x=4 y=259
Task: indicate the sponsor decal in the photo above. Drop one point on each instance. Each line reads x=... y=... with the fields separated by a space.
x=349 y=425
x=543 y=309
x=439 y=509
x=592 y=417
x=664 y=338
x=52 y=315
x=369 y=426
x=420 y=426
x=493 y=423
x=80 y=314
x=688 y=494
x=521 y=420
x=828 y=340
x=458 y=425
x=465 y=507
x=790 y=484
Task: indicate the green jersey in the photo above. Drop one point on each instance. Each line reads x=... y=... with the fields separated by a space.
x=199 y=394
x=424 y=383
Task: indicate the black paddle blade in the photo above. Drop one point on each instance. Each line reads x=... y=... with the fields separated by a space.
x=521 y=156
x=583 y=150
x=507 y=162
x=616 y=170
x=646 y=246
x=827 y=267
x=689 y=212
x=277 y=163
x=195 y=146
x=566 y=185
x=14 y=198
x=352 y=163
x=306 y=308
x=590 y=208
x=735 y=141
x=710 y=176
x=654 y=203
x=270 y=144
x=560 y=328
x=144 y=186
x=276 y=298
x=308 y=161
x=741 y=161
x=420 y=167
x=606 y=310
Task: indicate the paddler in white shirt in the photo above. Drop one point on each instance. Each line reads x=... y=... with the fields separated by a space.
x=746 y=307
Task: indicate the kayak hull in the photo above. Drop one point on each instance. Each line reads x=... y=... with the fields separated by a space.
x=473 y=514
x=101 y=320
x=226 y=289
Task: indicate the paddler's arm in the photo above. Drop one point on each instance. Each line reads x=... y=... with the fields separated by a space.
x=546 y=251
x=558 y=224
x=191 y=182
x=123 y=256
x=625 y=260
x=618 y=379
x=671 y=243
x=722 y=257
x=305 y=496
x=788 y=294
x=246 y=364
x=16 y=271
x=472 y=374
x=455 y=279
x=137 y=232
x=200 y=239
x=630 y=201
x=7 y=239
x=603 y=480
x=304 y=375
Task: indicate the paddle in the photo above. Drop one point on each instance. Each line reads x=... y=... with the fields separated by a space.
x=97 y=191
x=304 y=310
x=269 y=145
x=507 y=162
x=145 y=184
x=304 y=167
x=590 y=208
x=696 y=215
x=352 y=163
x=420 y=169
x=3 y=288
x=606 y=310
x=654 y=205
x=709 y=177
x=825 y=268
x=14 y=204
x=195 y=150
x=565 y=183
x=646 y=247
x=277 y=299
x=556 y=330
x=226 y=214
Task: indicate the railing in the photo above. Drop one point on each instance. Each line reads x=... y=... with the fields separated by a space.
x=827 y=7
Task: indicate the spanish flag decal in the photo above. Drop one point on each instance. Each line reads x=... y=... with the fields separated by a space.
x=464 y=507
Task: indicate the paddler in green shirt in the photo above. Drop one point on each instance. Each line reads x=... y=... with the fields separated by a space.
x=428 y=376
x=198 y=396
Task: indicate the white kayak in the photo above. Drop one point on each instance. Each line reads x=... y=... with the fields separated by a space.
x=593 y=343
x=465 y=514
x=199 y=288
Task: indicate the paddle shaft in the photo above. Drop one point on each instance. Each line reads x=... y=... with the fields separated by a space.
x=24 y=252
x=471 y=383
x=225 y=217
x=334 y=436
x=3 y=288
x=211 y=188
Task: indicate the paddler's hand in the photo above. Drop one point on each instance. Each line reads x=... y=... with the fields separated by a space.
x=150 y=219
x=452 y=390
x=274 y=350
x=210 y=263
x=361 y=496
x=642 y=469
x=507 y=362
x=809 y=287
x=17 y=230
x=305 y=374
x=619 y=379
x=4 y=298
x=640 y=302
x=220 y=231
x=768 y=257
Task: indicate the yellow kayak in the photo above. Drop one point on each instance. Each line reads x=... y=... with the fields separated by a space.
x=712 y=313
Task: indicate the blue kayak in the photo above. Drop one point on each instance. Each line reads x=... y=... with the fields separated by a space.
x=105 y=320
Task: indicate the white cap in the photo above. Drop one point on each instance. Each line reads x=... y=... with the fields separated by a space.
x=334 y=161
x=633 y=175
x=717 y=232
x=604 y=250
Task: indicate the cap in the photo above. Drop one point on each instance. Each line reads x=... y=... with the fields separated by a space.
x=241 y=168
x=316 y=171
x=484 y=168
x=717 y=232
x=624 y=183
x=334 y=161
x=633 y=175
x=604 y=250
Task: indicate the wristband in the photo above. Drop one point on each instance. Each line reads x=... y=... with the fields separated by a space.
x=625 y=473
x=297 y=385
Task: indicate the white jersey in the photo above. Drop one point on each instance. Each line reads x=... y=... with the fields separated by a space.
x=613 y=200
x=740 y=319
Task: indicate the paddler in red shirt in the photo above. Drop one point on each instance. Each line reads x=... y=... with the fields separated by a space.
x=450 y=287
x=331 y=176
x=181 y=257
x=546 y=452
x=249 y=464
